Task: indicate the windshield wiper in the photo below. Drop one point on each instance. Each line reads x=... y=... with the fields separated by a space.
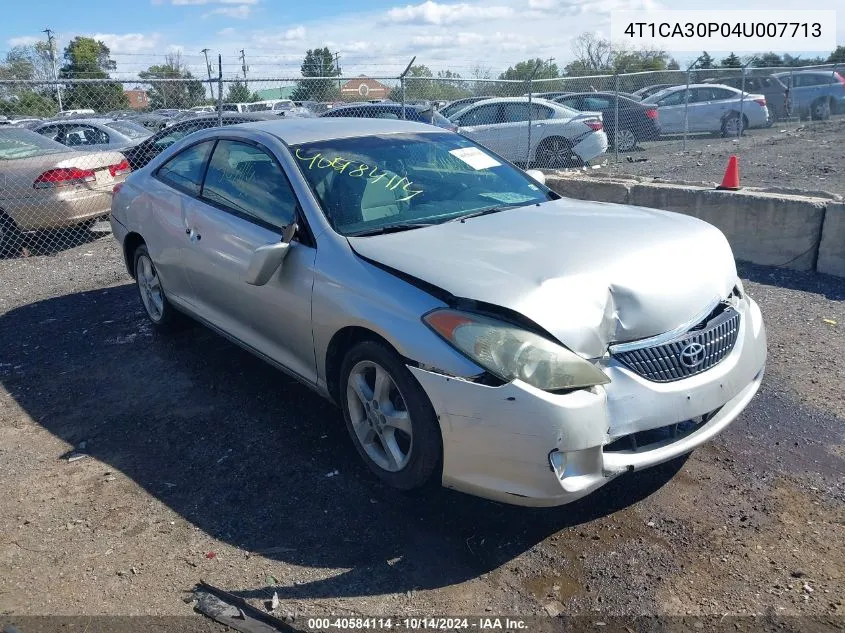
x=487 y=211
x=392 y=228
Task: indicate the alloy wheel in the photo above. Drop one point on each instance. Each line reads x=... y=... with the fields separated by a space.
x=379 y=416
x=150 y=288
x=626 y=140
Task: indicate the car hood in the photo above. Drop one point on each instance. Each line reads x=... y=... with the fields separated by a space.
x=589 y=273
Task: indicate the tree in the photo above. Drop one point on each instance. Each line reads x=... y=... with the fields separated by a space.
x=318 y=62
x=769 y=60
x=421 y=84
x=238 y=92
x=640 y=60
x=28 y=63
x=592 y=55
x=524 y=69
x=731 y=61
x=171 y=94
x=87 y=58
x=673 y=64
x=837 y=56
x=706 y=62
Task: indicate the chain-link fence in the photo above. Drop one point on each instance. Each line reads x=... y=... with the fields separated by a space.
x=64 y=145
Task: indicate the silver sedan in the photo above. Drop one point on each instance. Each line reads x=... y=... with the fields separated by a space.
x=474 y=327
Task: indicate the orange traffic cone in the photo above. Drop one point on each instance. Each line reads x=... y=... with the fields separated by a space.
x=731 y=180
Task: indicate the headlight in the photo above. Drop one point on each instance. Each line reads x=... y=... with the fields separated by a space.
x=510 y=352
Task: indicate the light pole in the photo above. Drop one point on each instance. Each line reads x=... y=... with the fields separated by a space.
x=208 y=68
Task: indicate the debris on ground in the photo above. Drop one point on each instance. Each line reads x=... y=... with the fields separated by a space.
x=236 y=612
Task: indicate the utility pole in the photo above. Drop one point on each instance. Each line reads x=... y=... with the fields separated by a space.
x=208 y=68
x=549 y=66
x=243 y=64
x=337 y=69
x=52 y=45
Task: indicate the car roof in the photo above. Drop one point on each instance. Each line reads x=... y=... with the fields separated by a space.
x=296 y=131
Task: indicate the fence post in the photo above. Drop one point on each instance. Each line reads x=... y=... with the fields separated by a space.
x=616 y=115
x=686 y=100
x=402 y=83
x=741 y=103
x=530 y=118
x=219 y=90
x=796 y=105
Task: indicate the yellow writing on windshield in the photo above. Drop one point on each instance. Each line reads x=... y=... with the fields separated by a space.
x=356 y=169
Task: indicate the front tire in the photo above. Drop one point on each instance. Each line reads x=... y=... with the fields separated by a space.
x=158 y=309
x=389 y=417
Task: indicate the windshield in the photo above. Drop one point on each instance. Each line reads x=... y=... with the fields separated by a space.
x=19 y=143
x=131 y=130
x=371 y=183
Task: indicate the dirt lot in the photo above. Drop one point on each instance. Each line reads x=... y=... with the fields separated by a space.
x=806 y=155
x=205 y=463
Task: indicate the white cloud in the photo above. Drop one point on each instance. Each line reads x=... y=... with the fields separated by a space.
x=129 y=42
x=237 y=12
x=23 y=40
x=227 y=32
x=430 y=12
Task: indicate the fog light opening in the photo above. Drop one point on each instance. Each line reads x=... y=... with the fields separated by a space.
x=557 y=461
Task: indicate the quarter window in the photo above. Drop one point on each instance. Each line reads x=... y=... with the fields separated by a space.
x=184 y=170
x=249 y=182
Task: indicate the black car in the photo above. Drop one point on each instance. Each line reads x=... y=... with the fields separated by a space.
x=143 y=153
x=393 y=111
x=637 y=121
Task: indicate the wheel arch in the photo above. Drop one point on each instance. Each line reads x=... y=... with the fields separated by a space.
x=130 y=244
x=341 y=342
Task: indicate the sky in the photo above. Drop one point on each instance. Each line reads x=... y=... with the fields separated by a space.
x=373 y=37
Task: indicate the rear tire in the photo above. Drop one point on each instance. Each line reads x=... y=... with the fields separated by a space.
x=389 y=417
x=731 y=125
x=556 y=152
x=11 y=238
x=820 y=110
x=626 y=140
x=158 y=309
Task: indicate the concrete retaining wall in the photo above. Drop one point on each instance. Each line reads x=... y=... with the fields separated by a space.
x=773 y=229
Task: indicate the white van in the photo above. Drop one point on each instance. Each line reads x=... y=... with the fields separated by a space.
x=236 y=107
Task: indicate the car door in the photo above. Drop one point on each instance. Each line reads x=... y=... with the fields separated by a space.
x=671 y=112
x=481 y=123
x=172 y=191
x=246 y=202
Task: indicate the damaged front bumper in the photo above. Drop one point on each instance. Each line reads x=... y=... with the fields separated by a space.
x=517 y=444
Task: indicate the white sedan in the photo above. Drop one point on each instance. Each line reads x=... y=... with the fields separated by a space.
x=559 y=136
x=709 y=108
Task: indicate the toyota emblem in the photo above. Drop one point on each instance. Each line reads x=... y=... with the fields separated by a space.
x=692 y=355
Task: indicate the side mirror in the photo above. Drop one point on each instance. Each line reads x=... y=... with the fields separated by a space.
x=267 y=259
x=537 y=175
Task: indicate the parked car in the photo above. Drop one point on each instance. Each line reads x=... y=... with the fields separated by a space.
x=815 y=93
x=93 y=133
x=145 y=151
x=769 y=86
x=77 y=113
x=642 y=93
x=710 y=108
x=47 y=185
x=637 y=122
x=560 y=136
x=459 y=104
x=392 y=111
x=154 y=122
x=236 y=107
x=475 y=328
x=203 y=108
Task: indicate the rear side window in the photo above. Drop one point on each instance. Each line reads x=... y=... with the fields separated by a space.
x=675 y=98
x=184 y=171
x=248 y=181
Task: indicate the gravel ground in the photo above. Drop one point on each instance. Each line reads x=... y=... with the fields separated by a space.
x=203 y=462
x=806 y=156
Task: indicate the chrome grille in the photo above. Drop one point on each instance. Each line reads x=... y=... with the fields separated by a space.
x=664 y=363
